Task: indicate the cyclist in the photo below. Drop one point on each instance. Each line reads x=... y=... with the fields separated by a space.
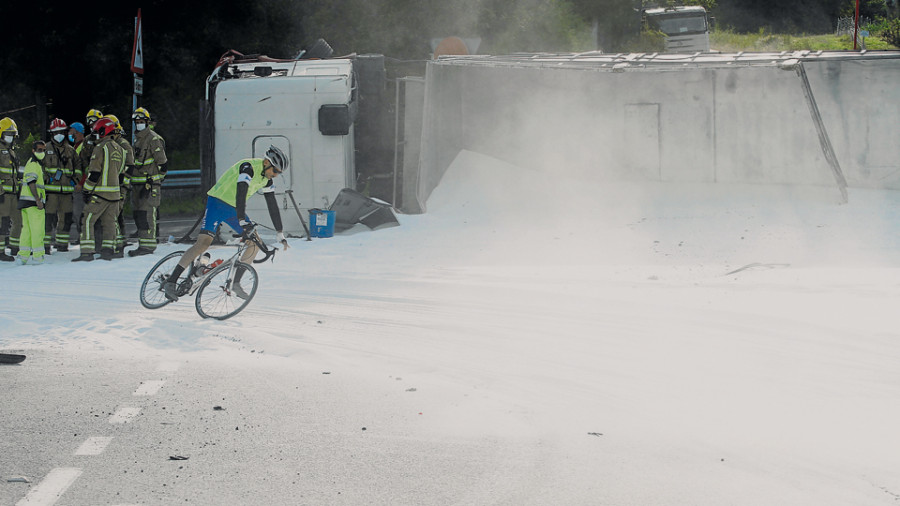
x=226 y=203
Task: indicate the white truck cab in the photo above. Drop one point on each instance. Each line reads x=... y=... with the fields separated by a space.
x=305 y=107
x=686 y=27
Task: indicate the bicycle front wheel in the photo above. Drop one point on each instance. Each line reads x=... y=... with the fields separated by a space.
x=152 y=296
x=226 y=291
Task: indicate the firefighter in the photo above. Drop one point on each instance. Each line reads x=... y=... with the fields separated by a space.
x=77 y=141
x=10 y=217
x=124 y=186
x=101 y=191
x=87 y=150
x=146 y=180
x=59 y=182
x=31 y=202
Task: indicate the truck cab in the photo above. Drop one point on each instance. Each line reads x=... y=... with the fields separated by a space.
x=686 y=27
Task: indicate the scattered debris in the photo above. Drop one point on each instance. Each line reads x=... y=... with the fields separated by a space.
x=363 y=428
x=754 y=265
x=177 y=457
x=410 y=389
x=326 y=372
x=598 y=434
x=18 y=479
x=218 y=408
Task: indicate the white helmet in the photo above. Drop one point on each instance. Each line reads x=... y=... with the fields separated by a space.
x=277 y=158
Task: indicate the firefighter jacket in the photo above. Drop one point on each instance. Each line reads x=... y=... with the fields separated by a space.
x=9 y=169
x=124 y=177
x=107 y=161
x=149 y=155
x=59 y=168
x=84 y=154
x=34 y=172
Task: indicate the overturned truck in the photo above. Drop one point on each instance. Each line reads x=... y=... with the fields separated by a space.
x=310 y=108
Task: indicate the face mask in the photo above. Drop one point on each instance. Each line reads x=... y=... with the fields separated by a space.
x=71 y=138
x=8 y=139
x=59 y=137
x=140 y=126
x=39 y=156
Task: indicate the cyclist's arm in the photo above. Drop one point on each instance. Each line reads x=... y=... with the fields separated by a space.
x=243 y=184
x=272 y=204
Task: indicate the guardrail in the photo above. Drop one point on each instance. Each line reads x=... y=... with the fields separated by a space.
x=182 y=179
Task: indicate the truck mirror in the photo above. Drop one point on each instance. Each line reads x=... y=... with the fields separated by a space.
x=335 y=119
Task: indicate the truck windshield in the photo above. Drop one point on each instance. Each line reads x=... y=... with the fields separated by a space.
x=676 y=25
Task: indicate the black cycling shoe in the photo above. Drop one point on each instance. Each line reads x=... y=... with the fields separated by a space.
x=170 y=290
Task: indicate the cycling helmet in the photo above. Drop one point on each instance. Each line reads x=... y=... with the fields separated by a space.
x=92 y=116
x=141 y=113
x=103 y=127
x=277 y=158
x=58 y=125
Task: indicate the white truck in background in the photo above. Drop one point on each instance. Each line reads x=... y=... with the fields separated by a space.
x=686 y=27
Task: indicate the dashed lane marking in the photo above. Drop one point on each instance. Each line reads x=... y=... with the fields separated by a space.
x=51 y=488
x=124 y=415
x=93 y=446
x=149 y=387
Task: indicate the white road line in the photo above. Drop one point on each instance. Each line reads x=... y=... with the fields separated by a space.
x=51 y=488
x=124 y=415
x=93 y=446
x=169 y=367
x=149 y=387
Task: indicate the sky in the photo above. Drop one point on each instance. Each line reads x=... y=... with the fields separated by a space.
x=695 y=344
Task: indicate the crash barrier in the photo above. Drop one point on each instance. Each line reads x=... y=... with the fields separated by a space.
x=182 y=179
x=782 y=118
x=321 y=223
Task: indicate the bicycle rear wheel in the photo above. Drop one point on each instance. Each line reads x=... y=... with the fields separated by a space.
x=226 y=292
x=152 y=296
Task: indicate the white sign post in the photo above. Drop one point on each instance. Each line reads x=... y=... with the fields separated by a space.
x=137 y=67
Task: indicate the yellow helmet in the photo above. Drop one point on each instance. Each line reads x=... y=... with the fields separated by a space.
x=92 y=116
x=114 y=119
x=8 y=126
x=141 y=113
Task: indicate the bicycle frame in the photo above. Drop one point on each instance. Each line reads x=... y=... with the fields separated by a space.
x=235 y=258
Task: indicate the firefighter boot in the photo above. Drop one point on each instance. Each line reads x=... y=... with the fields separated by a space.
x=106 y=254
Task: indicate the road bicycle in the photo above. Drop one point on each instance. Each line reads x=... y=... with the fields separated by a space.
x=222 y=289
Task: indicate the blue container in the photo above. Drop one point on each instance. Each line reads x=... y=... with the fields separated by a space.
x=321 y=223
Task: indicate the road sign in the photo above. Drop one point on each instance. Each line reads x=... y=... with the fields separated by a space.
x=138 y=85
x=137 y=52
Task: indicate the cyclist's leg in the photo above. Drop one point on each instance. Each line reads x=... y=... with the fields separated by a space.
x=204 y=240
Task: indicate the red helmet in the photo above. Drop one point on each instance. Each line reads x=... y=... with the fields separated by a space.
x=103 y=127
x=57 y=124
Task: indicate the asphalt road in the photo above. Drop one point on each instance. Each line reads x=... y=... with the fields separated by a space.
x=94 y=427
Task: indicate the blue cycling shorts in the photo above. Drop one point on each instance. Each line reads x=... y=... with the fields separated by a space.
x=218 y=212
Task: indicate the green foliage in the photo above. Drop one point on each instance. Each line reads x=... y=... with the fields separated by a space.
x=647 y=41
x=887 y=30
x=729 y=41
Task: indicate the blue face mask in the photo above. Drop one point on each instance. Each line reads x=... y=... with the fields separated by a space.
x=71 y=138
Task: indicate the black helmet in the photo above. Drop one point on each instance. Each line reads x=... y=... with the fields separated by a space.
x=277 y=158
